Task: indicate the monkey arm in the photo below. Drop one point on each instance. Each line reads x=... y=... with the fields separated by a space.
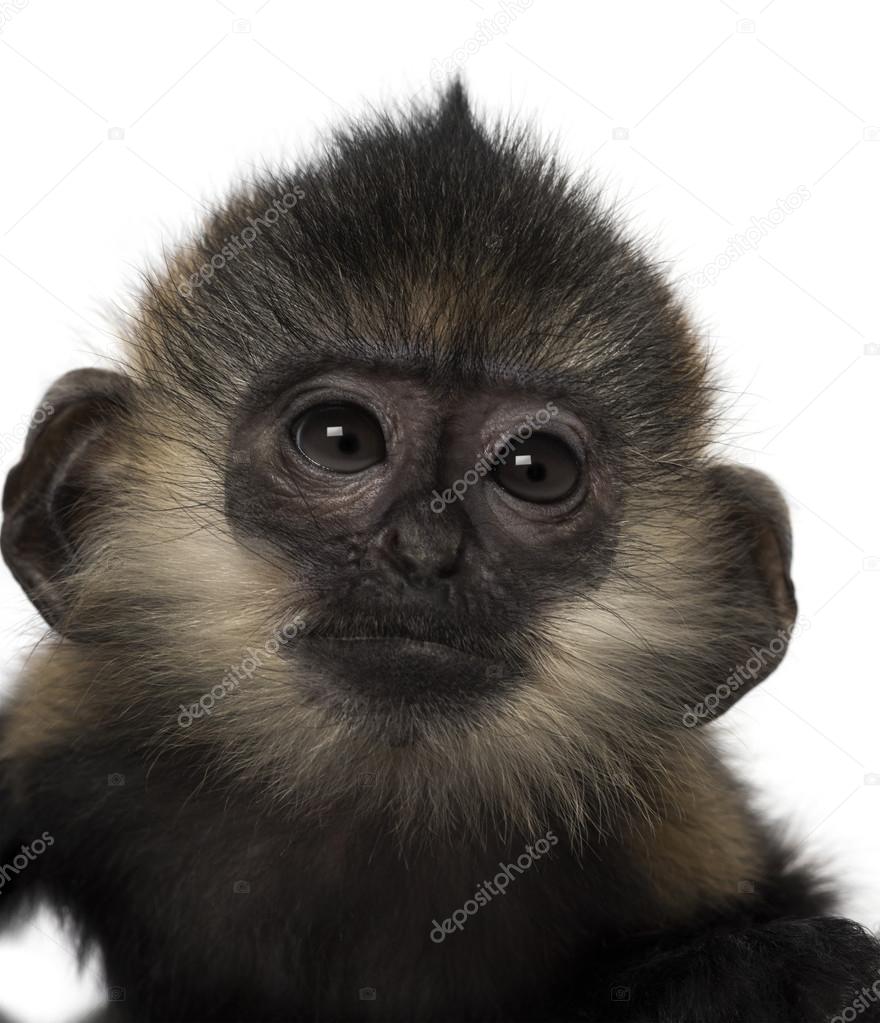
x=11 y=896
x=780 y=971
x=11 y=885
x=776 y=952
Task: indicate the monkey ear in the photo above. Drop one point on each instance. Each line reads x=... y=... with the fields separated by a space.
x=49 y=493
x=757 y=560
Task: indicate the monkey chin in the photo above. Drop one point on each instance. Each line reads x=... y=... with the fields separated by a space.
x=399 y=681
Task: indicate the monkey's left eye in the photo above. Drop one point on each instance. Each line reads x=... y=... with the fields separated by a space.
x=340 y=437
x=542 y=470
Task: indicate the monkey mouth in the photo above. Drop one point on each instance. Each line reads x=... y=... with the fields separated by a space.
x=402 y=671
x=401 y=642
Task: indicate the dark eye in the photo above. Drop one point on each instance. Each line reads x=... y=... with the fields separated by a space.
x=542 y=469
x=342 y=438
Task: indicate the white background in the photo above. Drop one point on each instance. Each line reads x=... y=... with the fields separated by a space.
x=699 y=116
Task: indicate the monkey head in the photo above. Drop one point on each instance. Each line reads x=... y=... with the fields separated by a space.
x=414 y=477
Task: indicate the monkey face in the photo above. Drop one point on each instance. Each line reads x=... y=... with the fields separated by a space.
x=420 y=521
x=446 y=417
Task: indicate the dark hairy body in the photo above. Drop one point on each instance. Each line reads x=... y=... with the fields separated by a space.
x=512 y=662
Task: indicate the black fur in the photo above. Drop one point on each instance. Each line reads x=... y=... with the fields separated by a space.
x=156 y=877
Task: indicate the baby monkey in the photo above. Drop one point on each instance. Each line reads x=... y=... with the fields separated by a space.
x=392 y=585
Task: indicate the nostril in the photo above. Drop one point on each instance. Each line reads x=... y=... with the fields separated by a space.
x=422 y=560
x=447 y=566
x=389 y=549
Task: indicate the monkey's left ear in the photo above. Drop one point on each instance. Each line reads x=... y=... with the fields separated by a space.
x=50 y=492
x=757 y=565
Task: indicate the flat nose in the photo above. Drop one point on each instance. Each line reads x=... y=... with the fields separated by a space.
x=421 y=547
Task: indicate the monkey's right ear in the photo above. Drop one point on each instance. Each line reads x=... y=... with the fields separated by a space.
x=51 y=490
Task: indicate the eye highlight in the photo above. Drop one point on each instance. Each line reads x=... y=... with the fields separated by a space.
x=341 y=437
x=543 y=469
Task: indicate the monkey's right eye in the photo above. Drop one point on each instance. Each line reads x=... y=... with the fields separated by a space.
x=340 y=437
